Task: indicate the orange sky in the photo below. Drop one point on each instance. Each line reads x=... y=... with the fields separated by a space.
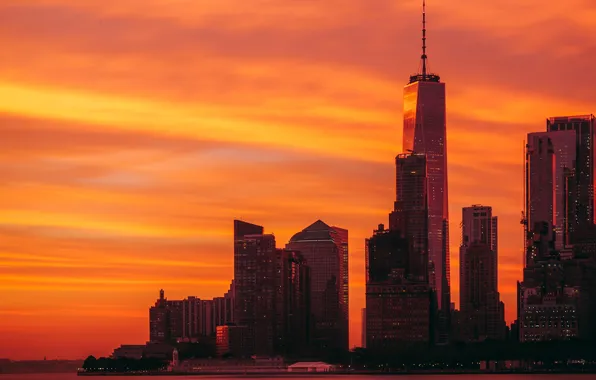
x=133 y=132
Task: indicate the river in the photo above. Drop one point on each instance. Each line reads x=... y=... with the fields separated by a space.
x=73 y=376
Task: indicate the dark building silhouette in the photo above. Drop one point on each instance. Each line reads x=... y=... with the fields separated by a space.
x=325 y=249
x=190 y=319
x=540 y=193
x=538 y=187
x=584 y=127
x=425 y=132
x=400 y=296
x=165 y=320
x=399 y=305
x=233 y=341
x=159 y=330
x=272 y=297
x=410 y=214
x=482 y=312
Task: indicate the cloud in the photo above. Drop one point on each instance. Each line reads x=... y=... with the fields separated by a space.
x=133 y=132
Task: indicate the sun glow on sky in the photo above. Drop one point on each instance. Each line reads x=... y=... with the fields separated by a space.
x=133 y=132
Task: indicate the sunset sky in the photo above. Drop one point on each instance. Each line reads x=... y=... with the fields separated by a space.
x=134 y=131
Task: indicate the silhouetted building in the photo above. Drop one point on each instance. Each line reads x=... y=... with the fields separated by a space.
x=425 y=131
x=224 y=307
x=399 y=305
x=410 y=214
x=540 y=192
x=159 y=330
x=165 y=320
x=584 y=127
x=482 y=311
x=548 y=306
x=325 y=250
x=198 y=318
x=233 y=341
x=363 y=327
x=563 y=146
x=190 y=319
x=295 y=315
x=272 y=293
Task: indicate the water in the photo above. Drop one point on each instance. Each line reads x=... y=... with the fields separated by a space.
x=73 y=376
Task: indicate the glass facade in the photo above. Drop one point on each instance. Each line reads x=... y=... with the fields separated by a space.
x=425 y=132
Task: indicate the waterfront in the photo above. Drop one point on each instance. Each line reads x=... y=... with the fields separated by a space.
x=73 y=376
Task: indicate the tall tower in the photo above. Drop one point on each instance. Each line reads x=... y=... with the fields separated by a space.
x=481 y=308
x=425 y=132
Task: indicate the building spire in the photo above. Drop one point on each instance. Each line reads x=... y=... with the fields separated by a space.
x=423 y=57
x=423 y=74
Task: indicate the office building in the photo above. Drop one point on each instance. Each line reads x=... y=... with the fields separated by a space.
x=563 y=146
x=325 y=250
x=410 y=214
x=272 y=293
x=540 y=192
x=425 y=131
x=583 y=203
x=399 y=304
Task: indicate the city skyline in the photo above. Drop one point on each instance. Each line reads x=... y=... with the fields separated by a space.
x=143 y=160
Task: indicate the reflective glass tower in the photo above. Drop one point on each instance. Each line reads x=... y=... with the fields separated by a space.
x=425 y=132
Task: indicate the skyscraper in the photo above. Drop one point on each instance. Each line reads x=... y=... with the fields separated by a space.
x=563 y=145
x=272 y=292
x=540 y=192
x=325 y=249
x=399 y=303
x=410 y=214
x=482 y=311
x=425 y=132
x=584 y=127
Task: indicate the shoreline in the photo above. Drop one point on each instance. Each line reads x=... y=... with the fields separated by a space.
x=285 y=374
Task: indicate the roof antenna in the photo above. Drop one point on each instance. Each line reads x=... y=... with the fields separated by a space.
x=423 y=38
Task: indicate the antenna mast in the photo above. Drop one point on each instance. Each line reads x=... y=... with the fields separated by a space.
x=423 y=38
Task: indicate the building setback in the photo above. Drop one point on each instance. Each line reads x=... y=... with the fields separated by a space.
x=325 y=250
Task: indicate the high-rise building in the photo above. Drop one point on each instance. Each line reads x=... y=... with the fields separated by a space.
x=425 y=132
x=294 y=317
x=325 y=250
x=540 y=192
x=256 y=279
x=410 y=214
x=584 y=127
x=166 y=320
x=482 y=311
x=197 y=318
x=159 y=330
x=399 y=304
x=479 y=226
x=272 y=292
x=563 y=145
